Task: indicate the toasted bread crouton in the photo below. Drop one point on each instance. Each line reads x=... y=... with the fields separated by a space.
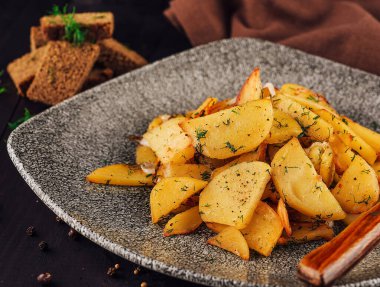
x=37 y=38
x=97 y=26
x=62 y=72
x=118 y=57
x=23 y=70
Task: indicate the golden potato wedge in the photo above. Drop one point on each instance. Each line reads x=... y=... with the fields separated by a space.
x=305 y=93
x=187 y=204
x=216 y=227
x=221 y=105
x=300 y=186
x=327 y=166
x=284 y=127
x=232 y=196
x=358 y=189
x=314 y=152
x=284 y=217
x=232 y=240
x=343 y=155
x=350 y=218
x=304 y=232
x=256 y=155
x=203 y=109
x=349 y=137
x=198 y=171
x=264 y=229
x=169 y=193
x=251 y=89
x=170 y=143
x=369 y=136
x=376 y=168
x=184 y=222
x=145 y=154
x=120 y=174
x=295 y=216
x=231 y=132
x=157 y=121
x=312 y=125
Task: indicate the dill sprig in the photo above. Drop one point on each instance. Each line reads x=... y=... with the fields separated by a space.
x=15 y=124
x=74 y=32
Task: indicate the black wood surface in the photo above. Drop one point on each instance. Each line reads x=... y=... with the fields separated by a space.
x=140 y=24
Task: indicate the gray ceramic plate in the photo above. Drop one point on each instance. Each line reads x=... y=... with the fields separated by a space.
x=55 y=150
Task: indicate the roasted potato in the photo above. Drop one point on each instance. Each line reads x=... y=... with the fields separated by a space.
x=251 y=89
x=304 y=232
x=184 y=222
x=284 y=127
x=349 y=137
x=232 y=196
x=169 y=193
x=157 y=121
x=216 y=227
x=203 y=109
x=284 y=216
x=145 y=154
x=376 y=168
x=232 y=240
x=343 y=155
x=198 y=171
x=170 y=143
x=120 y=174
x=300 y=186
x=358 y=189
x=263 y=230
x=231 y=132
x=312 y=125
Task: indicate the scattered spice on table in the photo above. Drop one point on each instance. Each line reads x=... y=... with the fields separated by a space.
x=44 y=278
x=30 y=231
x=111 y=271
x=72 y=233
x=137 y=271
x=43 y=246
x=58 y=219
x=27 y=115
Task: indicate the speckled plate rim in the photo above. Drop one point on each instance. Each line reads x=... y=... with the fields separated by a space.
x=115 y=248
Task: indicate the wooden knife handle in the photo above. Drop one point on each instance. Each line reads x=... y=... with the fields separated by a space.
x=325 y=264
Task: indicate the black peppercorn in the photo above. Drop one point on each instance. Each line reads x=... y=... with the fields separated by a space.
x=72 y=233
x=44 y=278
x=30 y=231
x=43 y=245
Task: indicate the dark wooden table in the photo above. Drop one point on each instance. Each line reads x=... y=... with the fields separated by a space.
x=140 y=24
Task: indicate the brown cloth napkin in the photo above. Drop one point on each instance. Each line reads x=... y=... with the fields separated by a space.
x=344 y=31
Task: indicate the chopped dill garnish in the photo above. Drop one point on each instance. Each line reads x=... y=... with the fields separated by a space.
x=206 y=175
x=74 y=32
x=232 y=147
x=311 y=98
x=15 y=124
x=200 y=134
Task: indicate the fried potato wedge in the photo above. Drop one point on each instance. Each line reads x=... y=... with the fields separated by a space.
x=327 y=166
x=169 y=193
x=198 y=171
x=370 y=137
x=311 y=123
x=284 y=127
x=145 y=154
x=187 y=204
x=300 y=186
x=184 y=222
x=216 y=227
x=221 y=105
x=232 y=196
x=304 y=232
x=251 y=89
x=231 y=132
x=264 y=229
x=284 y=216
x=376 y=168
x=256 y=155
x=170 y=143
x=120 y=174
x=232 y=240
x=349 y=137
x=358 y=189
x=343 y=155
x=203 y=109
x=157 y=121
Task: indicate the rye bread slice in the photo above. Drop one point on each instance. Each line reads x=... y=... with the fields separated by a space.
x=118 y=57
x=37 y=38
x=23 y=69
x=97 y=26
x=62 y=72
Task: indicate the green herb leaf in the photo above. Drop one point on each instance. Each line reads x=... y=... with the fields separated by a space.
x=15 y=124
